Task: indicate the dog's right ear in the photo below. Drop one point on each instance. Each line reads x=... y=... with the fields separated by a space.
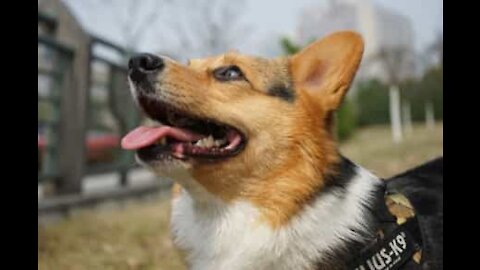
x=326 y=67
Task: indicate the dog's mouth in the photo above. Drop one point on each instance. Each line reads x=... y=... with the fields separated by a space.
x=182 y=135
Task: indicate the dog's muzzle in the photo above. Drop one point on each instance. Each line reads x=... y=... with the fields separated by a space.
x=143 y=66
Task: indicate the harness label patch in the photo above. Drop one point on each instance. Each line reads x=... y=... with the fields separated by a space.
x=390 y=254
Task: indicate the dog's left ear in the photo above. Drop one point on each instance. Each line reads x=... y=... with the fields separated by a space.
x=326 y=67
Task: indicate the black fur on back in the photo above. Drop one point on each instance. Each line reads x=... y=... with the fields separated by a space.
x=423 y=186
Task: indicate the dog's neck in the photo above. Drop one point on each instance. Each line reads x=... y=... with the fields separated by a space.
x=218 y=235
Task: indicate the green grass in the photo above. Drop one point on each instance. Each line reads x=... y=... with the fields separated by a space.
x=373 y=148
x=136 y=236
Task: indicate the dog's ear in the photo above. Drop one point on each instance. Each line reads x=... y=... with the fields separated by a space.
x=326 y=67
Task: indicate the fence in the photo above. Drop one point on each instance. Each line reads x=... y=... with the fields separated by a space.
x=54 y=67
x=111 y=113
x=80 y=137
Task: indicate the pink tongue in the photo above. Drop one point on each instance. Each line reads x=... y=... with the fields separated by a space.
x=145 y=136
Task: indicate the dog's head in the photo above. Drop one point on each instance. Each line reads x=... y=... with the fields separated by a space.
x=243 y=125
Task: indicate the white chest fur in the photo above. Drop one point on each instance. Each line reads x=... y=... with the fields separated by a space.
x=229 y=236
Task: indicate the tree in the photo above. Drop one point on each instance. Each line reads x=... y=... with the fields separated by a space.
x=289 y=47
x=436 y=49
x=177 y=28
x=426 y=90
x=395 y=63
x=372 y=101
x=203 y=27
x=133 y=19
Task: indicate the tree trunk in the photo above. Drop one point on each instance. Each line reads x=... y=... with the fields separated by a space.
x=429 y=115
x=407 y=117
x=395 y=118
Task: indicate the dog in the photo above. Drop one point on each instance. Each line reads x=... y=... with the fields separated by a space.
x=259 y=180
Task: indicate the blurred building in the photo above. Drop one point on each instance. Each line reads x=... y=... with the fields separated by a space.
x=381 y=28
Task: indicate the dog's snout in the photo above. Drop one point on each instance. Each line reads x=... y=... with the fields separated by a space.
x=143 y=65
x=146 y=63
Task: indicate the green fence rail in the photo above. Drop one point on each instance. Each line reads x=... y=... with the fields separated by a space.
x=54 y=62
x=109 y=112
x=110 y=99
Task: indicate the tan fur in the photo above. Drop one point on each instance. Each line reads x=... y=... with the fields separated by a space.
x=290 y=144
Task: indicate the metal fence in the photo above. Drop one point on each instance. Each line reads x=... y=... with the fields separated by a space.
x=54 y=66
x=106 y=110
x=111 y=113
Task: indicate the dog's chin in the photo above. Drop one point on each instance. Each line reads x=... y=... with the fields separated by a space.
x=171 y=168
x=179 y=171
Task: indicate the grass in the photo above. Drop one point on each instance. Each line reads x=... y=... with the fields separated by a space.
x=136 y=236
x=374 y=149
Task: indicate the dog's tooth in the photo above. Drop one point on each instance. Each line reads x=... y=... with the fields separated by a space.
x=217 y=143
x=209 y=142
x=200 y=143
x=220 y=142
x=203 y=142
x=163 y=141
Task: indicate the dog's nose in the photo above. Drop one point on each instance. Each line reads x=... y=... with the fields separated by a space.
x=142 y=65
x=146 y=63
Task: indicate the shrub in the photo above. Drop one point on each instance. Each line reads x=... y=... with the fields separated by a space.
x=373 y=103
x=346 y=119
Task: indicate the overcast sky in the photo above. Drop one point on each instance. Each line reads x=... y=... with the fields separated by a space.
x=267 y=18
x=282 y=16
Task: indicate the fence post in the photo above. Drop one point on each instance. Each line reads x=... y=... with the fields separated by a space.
x=72 y=126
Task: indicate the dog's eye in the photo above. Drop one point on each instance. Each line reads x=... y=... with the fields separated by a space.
x=230 y=73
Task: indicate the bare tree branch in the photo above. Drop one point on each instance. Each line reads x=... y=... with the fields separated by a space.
x=208 y=27
x=436 y=48
x=132 y=18
x=393 y=61
x=187 y=28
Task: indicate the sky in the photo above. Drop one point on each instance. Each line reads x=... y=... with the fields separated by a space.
x=267 y=19
x=282 y=16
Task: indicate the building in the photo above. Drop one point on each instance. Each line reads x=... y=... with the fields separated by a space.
x=382 y=29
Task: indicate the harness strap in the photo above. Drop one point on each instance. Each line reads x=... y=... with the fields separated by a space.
x=398 y=238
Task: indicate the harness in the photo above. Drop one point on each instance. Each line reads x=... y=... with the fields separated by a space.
x=398 y=243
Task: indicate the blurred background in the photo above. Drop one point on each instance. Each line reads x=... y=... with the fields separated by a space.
x=98 y=210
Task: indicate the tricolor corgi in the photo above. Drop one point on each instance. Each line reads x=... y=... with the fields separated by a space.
x=259 y=180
